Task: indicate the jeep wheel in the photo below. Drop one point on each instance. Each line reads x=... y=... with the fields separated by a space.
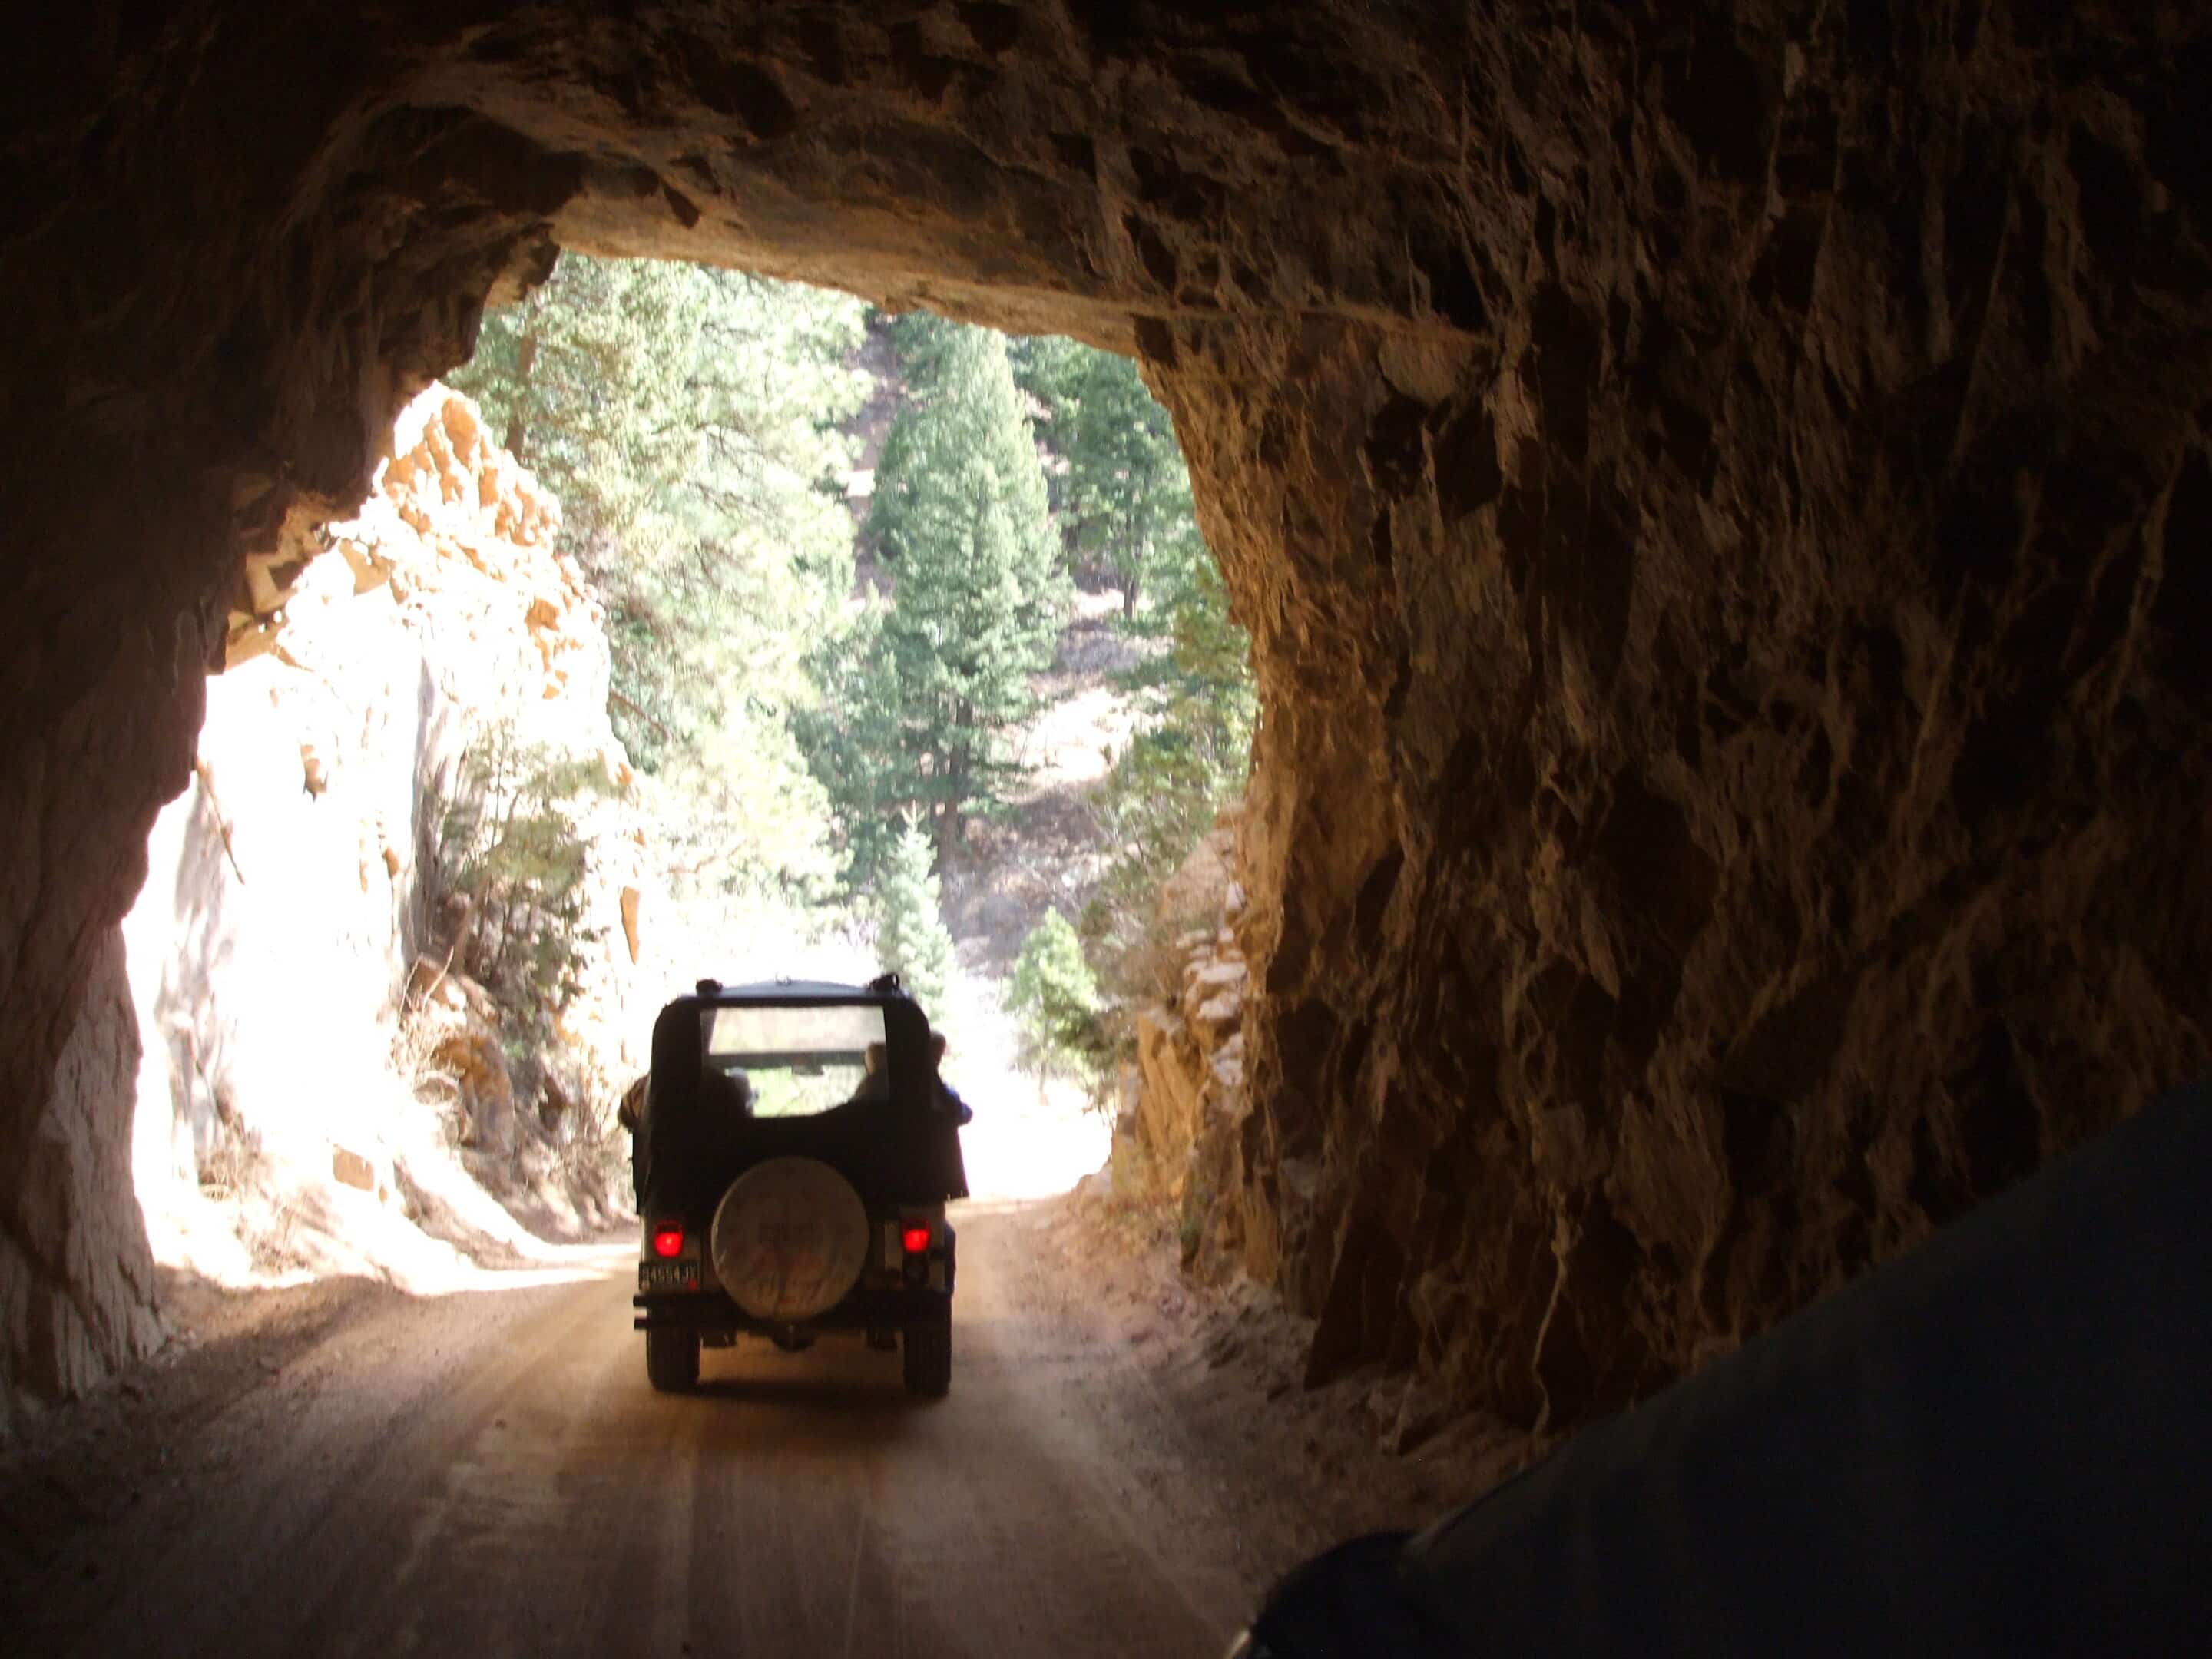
x=789 y=1240
x=928 y=1359
x=671 y=1360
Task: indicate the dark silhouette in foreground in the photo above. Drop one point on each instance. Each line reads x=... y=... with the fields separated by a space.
x=1997 y=1444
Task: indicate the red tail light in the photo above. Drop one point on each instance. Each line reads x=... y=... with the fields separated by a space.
x=916 y=1240
x=668 y=1239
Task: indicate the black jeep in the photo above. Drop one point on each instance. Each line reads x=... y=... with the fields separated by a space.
x=792 y=1157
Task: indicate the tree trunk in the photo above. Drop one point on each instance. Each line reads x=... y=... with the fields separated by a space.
x=956 y=792
x=517 y=427
x=948 y=834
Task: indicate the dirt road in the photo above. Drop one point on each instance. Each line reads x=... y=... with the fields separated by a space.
x=487 y=1474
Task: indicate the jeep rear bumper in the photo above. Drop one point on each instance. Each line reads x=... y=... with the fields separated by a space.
x=890 y=1308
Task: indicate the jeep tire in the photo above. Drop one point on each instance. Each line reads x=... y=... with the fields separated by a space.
x=927 y=1358
x=790 y=1240
x=671 y=1360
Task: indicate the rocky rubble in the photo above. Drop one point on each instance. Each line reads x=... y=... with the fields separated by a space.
x=1188 y=1141
x=1178 y=1141
x=1190 y=1056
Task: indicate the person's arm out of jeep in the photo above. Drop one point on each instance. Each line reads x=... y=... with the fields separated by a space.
x=947 y=1098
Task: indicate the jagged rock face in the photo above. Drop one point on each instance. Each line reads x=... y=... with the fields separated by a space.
x=73 y=1208
x=293 y=886
x=1186 y=1098
x=287 y=896
x=1720 y=501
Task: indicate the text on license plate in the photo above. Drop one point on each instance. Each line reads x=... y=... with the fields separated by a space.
x=667 y=1276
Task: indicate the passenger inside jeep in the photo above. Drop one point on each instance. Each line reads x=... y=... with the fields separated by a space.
x=875 y=1080
x=876 y=1084
x=796 y=1061
x=729 y=1093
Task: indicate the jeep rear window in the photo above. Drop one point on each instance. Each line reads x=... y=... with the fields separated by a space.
x=796 y=1061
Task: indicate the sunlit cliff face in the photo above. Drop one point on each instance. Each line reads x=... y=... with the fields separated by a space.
x=1720 y=504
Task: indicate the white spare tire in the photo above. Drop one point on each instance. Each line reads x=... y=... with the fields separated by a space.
x=790 y=1238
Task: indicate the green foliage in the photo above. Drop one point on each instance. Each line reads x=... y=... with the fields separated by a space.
x=686 y=418
x=1160 y=798
x=1123 y=493
x=1120 y=487
x=922 y=694
x=911 y=938
x=851 y=738
x=1191 y=1222
x=1189 y=757
x=509 y=867
x=920 y=340
x=1056 y=1007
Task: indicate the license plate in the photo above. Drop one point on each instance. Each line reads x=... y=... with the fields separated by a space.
x=667 y=1276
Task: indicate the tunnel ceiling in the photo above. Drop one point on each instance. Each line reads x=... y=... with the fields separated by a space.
x=1720 y=493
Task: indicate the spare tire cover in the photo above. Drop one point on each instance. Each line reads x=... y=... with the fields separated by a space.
x=790 y=1238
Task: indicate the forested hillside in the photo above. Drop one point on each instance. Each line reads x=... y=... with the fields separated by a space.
x=840 y=753
x=688 y=420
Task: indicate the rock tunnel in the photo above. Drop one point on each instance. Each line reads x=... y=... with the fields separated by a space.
x=1721 y=494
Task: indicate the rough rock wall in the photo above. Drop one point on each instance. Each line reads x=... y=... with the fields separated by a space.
x=1732 y=790
x=282 y=907
x=1714 y=487
x=1185 y=1103
x=76 y=1279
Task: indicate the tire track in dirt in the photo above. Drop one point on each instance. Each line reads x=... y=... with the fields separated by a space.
x=491 y=1475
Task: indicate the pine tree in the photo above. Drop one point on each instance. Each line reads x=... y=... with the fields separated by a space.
x=852 y=737
x=980 y=592
x=1122 y=491
x=1123 y=495
x=911 y=937
x=685 y=417
x=1056 y=1004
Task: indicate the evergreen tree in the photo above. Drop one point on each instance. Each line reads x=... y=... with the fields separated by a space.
x=852 y=737
x=911 y=937
x=511 y=858
x=1189 y=757
x=1121 y=488
x=685 y=417
x=1055 y=1004
x=1125 y=503
x=960 y=513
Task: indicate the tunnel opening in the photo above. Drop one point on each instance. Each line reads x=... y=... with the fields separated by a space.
x=734 y=627
x=1658 y=471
